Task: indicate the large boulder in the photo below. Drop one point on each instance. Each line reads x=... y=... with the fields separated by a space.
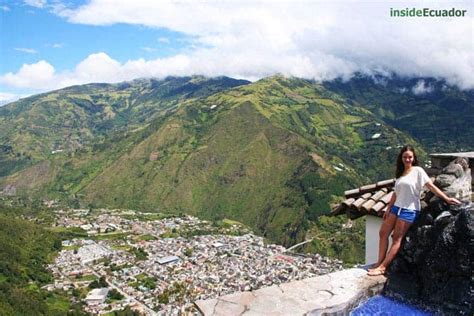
x=455 y=179
x=435 y=264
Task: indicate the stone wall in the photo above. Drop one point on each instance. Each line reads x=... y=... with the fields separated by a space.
x=435 y=265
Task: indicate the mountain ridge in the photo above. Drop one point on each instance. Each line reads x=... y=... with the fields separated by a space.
x=273 y=154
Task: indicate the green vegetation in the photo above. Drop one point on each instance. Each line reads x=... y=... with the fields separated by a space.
x=266 y=163
x=68 y=233
x=144 y=280
x=273 y=154
x=127 y=311
x=139 y=253
x=266 y=153
x=25 y=249
x=439 y=119
x=114 y=295
x=338 y=237
x=145 y=217
x=96 y=284
x=146 y=237
x=178 y=291
x=87 y=277
x=110 y=236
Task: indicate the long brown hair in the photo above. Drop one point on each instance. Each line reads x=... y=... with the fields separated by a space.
x=400 y=165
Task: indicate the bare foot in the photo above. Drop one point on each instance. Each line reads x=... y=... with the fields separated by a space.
x=377 y=271
x=374 y=266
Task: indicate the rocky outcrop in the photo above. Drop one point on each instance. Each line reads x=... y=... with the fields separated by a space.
x=455 y=179
x=435 y=264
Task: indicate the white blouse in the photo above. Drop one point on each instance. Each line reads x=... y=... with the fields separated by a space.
x=408 y=188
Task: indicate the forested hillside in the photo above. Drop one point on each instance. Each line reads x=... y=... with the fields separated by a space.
x=437 y=115
x=273 y=154
x=25 y=249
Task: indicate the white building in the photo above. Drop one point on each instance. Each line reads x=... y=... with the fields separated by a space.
x=97 y=296
x=168 y=259
x=370 y=200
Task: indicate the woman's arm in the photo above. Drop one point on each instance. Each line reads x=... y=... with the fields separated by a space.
x=389 y=205
x=433 y=188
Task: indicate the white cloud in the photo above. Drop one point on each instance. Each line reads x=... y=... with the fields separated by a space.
x=421 y=87
x=36 y=3
x=57 y=45
x=26 y=50
x=40 y=75
x=164 y=40
x=5 y=8
x=149 y=49
x=312 y=39
x=6 y=97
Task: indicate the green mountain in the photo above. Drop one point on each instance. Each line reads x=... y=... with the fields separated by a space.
x=436 y=114
x=80 y=117
x=272 y=154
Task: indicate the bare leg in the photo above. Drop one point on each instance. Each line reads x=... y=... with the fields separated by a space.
x=401 y=228
x=385 y=230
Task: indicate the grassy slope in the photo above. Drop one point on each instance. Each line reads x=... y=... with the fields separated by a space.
x=79 y=118
x=265 y=156
x=441 y=119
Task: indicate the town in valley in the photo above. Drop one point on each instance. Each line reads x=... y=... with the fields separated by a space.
x=160 y=264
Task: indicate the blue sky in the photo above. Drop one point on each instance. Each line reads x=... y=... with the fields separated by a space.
x=65 y=44
x=50 y=44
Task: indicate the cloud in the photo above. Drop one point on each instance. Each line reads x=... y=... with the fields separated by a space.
x=26 y=50
x=149 y=49
x=97 y=67
x=36 y=3
x=5 y=8
x=317 y=39
x=6 y=97
x=421 y=87
x=40 y=75
x=164 y=40
x=57 y=45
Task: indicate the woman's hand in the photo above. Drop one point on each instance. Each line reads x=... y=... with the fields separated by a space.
x=452 y=201
x=433 y=188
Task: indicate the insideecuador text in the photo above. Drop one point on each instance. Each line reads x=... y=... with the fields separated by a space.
x=427 y=12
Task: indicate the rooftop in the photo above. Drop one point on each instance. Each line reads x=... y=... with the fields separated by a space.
x=97 y=294
x=168 y=259
x=368 y=199
x=468 y=154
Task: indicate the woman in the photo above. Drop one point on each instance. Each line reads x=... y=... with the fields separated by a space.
x=404 y=207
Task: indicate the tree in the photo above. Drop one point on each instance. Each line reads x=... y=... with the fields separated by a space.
x=114 y=295
x=57 y=245
x=98 y=283
x=127 y=311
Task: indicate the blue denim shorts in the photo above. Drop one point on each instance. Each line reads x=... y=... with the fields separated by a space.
x=405 y=214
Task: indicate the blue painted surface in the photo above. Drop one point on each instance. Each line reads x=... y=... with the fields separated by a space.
x=381 y=305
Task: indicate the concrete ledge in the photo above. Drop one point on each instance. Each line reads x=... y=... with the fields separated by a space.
x=331 y=294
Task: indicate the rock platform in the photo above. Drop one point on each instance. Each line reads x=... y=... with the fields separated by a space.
x=330 y=294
